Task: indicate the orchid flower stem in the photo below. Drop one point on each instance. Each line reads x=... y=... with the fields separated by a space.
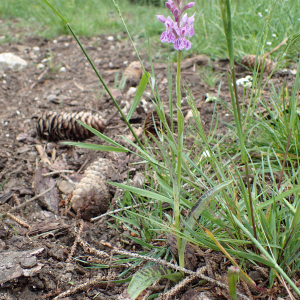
x=179 y=158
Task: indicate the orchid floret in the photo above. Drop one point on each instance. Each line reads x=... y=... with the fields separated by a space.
x=179 y=30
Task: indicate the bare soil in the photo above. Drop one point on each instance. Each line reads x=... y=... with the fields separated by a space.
x=38 y=239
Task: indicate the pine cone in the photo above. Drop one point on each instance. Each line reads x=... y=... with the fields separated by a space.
x=55 y=126
x=92 y=195
x=149 y=127
x=249 y=61
x=133 y=73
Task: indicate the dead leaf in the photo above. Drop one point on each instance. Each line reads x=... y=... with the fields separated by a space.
x=43 y=154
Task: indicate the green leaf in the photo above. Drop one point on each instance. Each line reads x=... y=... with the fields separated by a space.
x=95 y=147
x=200 y=205
x=279 y=198
x=198 y=208
x=142 y=192
x=144 y=278
x=2 y=184
x=100 y=135
x=140 y=242
x=138 y=95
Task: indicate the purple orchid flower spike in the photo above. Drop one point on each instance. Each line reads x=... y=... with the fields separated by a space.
x=179 y=30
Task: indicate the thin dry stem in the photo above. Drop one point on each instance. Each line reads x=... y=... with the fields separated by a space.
x=177 y=268
x=32 y=199
x=81 y=223
x=118 y=210
x=57 y=172
x=16 y=199
x=18 y=220
x=91 y=250
x=183 y=283
x=81 y=287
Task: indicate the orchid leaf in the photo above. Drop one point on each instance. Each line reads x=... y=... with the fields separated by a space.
x=138 y=95
x=198 y=208
x=144 y=278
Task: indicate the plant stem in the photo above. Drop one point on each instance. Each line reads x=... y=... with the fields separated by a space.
x=226 y=16
x=179 y=158
x=105 y=86
x=284 y=160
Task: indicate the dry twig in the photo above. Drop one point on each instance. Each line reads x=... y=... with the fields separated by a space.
x=81 y=223
x=177 y=268
x=32 y=199
x=18 y=220
x=183 y=283
x=118 y=210
x=80 y=287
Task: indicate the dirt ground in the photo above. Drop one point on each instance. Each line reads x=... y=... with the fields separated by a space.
x=36 y=239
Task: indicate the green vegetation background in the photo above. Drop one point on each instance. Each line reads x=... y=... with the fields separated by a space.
x=94 y=17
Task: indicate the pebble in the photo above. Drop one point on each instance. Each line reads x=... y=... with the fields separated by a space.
x=65 y=187
x=110 y=38
x=11 y=61
x=62 y=69
x=131 y=91
x=40 y=66
x=29 y=262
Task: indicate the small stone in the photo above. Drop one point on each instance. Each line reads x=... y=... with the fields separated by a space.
x=189 y=115
x=40 y=66
x=44 y=60
x=293 y=71
x=138 y=179
x=29 y=262
x=36 y=49
x=110 y=38
x=65 y=187
x=11 y=61
x=164 y=81
x=51 y=97
x=131 y=91
x=62 y=69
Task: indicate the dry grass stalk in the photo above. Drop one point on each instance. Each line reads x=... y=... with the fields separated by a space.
x=32 y=199
x=118 y=210
x=81 y=223
x=18 y=220
x=81 y=287
x=91 y=250
x=16 y=199
x=182 y=284
x=177 y=268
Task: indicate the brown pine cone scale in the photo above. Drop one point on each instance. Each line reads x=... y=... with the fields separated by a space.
x=55 y=126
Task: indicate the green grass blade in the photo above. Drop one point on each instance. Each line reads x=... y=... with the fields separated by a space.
x=101 y=136
x=143 y=193
x=138 y=95
x=268 y=256
x=199 y=207
x=55 y=11
x=95 y=147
